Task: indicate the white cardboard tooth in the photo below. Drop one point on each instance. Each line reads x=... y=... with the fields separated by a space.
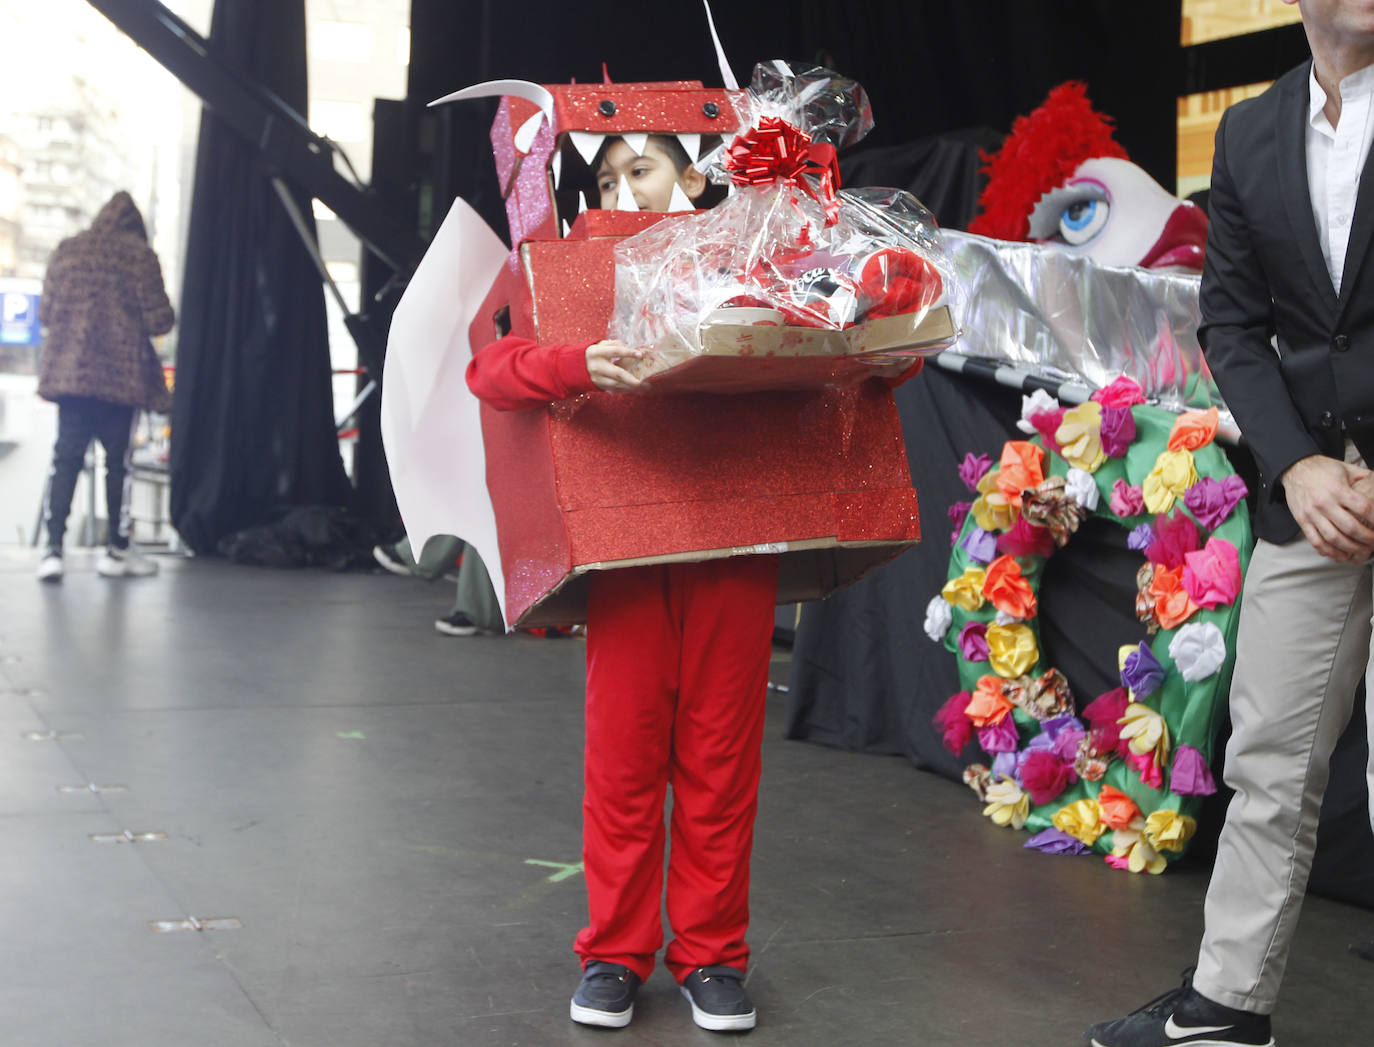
x=566 y=229
x=557 y=165
x=680 y=201
x=587 y=144
x=691 y=141
x=625 y=200
x=524 y=138
x=638 y=141
x=581 y=202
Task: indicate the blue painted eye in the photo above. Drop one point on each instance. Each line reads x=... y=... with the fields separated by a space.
x=1082 y=220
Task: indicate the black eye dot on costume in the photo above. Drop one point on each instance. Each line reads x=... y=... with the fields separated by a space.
x=607 y=107
x=711 y=110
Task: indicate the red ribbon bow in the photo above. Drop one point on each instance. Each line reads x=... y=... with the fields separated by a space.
x=775 y=149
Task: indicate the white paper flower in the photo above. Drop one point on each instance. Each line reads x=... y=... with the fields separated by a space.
x=1038 y=402
x=1198 y=649
x=939 y=616
x=1006 y=619
x=1082 y=488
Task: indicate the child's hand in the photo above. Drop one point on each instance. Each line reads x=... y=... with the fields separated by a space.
x=603 y=364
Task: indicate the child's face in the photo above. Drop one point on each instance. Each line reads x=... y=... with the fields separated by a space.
x=651 y=177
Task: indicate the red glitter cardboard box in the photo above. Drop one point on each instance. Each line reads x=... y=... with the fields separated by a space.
x=818 y=477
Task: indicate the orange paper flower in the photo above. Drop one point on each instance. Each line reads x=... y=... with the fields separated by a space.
x=1193 y=429
x=1007 y=589
x=1022 y=467
x=1117 y=808
x=1173 y=605
x=988 y=706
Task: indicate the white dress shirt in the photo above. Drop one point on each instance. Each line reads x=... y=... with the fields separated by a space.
x=1335 y=158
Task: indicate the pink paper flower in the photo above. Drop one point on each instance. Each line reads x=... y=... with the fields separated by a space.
x=1044 y=776
x=1175 y=536
x=973 y=642
x=1047 y=423
x=1148 y=768
x=1000 y=737
x=1212 y=500
x=1106 y=709
x=1120 y=392
x=957 y=514
x=1211 y=575
x=1118 y=861
x=1127 y=500
x=972 y=468
x=1190 y=775
x=1026 y=539
x=1118 y=431
x=955 y=726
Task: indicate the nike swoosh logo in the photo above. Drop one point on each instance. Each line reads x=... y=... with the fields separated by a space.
x=1178 y=1032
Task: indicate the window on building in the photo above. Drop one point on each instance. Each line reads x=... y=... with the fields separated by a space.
x=341 y=121
x=340 y=41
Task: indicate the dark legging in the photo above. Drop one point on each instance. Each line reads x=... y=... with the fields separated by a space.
x=80 y=418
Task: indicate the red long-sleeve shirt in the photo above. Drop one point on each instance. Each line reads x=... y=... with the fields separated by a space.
x=514 y=374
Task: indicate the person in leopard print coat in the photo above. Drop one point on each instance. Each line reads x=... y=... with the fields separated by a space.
x=103 y=301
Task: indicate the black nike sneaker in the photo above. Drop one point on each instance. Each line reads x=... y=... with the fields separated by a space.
x=1183 y=1016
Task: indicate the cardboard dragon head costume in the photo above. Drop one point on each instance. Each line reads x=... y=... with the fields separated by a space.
x=780 y=293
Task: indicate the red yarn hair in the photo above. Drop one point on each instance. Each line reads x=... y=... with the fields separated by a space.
x=1043 y=150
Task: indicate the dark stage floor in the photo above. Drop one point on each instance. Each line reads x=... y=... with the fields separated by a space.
x=393 y=817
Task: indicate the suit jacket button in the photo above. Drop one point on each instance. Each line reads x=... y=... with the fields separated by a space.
x=1341 y=343
x=1327 y=420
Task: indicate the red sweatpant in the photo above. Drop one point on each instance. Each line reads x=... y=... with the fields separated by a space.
x=677 y=672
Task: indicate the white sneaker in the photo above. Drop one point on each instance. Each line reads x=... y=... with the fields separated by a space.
x=124 y=563
x=50 y=568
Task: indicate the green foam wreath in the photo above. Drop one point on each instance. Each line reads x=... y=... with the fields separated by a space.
x=1125 y=773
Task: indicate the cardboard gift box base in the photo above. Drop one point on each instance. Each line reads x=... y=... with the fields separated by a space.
x=738 y=358
x=818 y=477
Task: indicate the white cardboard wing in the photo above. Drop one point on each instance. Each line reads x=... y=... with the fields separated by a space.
x=431 y=425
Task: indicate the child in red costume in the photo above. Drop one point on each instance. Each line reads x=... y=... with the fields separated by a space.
x=677 y=672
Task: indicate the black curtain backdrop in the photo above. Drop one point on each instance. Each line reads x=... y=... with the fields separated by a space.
x=930 y=66
x=252 y=418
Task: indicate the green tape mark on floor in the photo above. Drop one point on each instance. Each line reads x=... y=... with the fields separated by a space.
x=351 y=735
x=564 y=869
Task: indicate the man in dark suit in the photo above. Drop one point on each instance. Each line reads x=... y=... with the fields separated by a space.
x=1288 y=330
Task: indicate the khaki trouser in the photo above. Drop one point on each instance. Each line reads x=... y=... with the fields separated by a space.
x=1304 y=640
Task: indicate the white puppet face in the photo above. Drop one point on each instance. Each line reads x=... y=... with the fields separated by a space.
x=1116 y=214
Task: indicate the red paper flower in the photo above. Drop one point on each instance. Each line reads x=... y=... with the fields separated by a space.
x=1044 y=776
x=955 y=726
x=1026 y=539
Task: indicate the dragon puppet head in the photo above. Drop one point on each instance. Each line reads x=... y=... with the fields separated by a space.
x=1061 y=178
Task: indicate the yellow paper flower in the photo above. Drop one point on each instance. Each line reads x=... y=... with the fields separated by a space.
x=1080 y=437
x=1146 y=731
x=1007 y=805
x=1012 y=649
x=1082 y=820
x=1132 y=845
x=987 y=483
x=1168 y=830
x=1173 y=474
x=993 y=512
x=966 y=591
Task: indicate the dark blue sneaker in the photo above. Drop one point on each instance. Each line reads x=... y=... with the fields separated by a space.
x=1183 y=1016
x=605 y=996
x=718 y=999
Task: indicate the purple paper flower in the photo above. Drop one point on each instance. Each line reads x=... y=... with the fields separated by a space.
x=973 y=642
x=1007 y=765
x=1142 y=673
x=1066 y=742
x=957 y=512
x=999 y=737
x=1052 y=841
x=1140 y=537
x=1190 y=775
x=980 y=545
x=1212 y=500
x=972 y=468
x=1118 y=430
x=1055 y=725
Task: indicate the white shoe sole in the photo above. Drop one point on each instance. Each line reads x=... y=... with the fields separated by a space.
x=1202 y=1043
x=393 y=566
x=605 y=1019
x=719 y=1022
x=51 y=577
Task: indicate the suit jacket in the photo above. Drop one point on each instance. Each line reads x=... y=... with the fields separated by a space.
x=1294 y=361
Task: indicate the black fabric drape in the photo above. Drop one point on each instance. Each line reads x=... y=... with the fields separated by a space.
x=252 y=418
